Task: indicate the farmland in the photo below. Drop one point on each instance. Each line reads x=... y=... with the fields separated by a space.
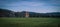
x=29 y=22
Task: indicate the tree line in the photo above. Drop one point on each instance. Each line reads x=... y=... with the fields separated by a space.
x=9 y=13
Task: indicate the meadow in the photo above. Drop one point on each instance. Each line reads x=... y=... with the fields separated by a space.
x=29 y=22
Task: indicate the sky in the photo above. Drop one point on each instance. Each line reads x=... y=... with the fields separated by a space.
x=39 y=6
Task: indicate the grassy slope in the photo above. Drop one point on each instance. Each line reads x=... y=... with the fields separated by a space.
x=29 y=22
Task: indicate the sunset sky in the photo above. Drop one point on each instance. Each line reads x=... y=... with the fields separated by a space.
x=40 y=6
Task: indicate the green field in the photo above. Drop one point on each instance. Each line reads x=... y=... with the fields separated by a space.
x=29 y=22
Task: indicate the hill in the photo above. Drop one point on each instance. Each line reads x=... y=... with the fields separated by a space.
x=9 y=13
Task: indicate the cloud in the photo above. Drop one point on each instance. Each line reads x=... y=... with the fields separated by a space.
x=32 y=3
x=42 y=6
x=26 y=3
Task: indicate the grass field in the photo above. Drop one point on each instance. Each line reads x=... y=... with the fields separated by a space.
x=29 y=22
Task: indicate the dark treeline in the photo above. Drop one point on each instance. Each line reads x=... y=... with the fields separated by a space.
x=9 y=13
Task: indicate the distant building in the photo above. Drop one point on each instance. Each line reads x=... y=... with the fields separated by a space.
x=27 y=14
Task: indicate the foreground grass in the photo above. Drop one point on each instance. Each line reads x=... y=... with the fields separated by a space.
x=29 y=22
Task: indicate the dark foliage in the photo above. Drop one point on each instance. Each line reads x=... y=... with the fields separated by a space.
x=9 y=13
x=6 y=13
